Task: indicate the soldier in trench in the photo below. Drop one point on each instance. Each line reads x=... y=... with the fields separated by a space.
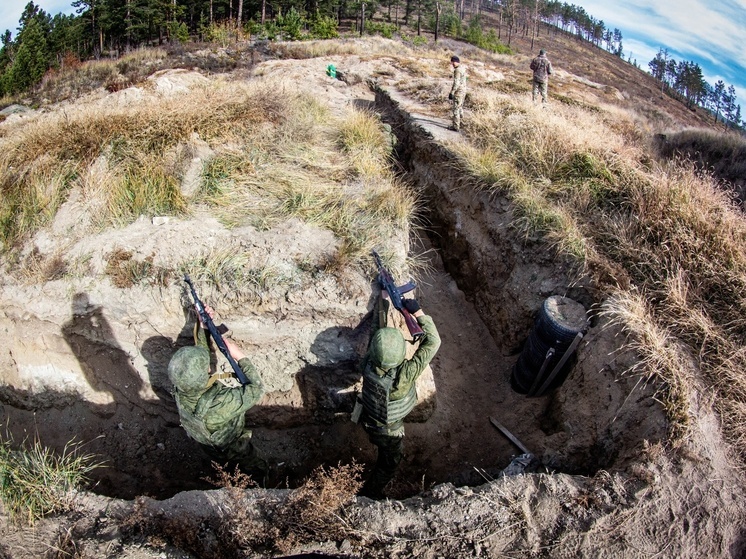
x=389 y=393
x=212 y=407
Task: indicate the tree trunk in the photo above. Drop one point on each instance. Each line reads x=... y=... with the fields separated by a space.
x=419 y=17
x=128 y=30
x=437 y=19
x=264 y=10
x=238 y=16
x=211 y=12
x=362 y=18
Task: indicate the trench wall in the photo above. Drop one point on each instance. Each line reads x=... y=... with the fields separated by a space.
x=602 y=413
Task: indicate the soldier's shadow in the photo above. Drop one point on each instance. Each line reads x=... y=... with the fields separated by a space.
x=158 y=350
x=106 y=366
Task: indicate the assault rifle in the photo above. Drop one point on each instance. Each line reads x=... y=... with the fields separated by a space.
x=215 y=333
x=395 y=293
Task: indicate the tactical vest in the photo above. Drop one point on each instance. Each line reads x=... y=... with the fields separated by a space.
x=195 y=427
x=376 y=390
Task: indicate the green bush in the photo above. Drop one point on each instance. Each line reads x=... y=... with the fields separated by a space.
x=291 y=25
x=416 y=40
x=450 y=22
x=384 y=29
x=324 y=27
x=476 y=36
x=217 y=33
x=178 y=32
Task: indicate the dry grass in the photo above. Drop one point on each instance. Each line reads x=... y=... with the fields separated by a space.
x=36 y=482
x=331 y=173
x=663 y=241
x=229 y=273
x=125 y=271
x=722 y=153
x=280 y=155
x=369 y=47
x=263 y=523
x=315 y=511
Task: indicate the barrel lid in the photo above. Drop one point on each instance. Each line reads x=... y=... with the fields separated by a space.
x=567 y=312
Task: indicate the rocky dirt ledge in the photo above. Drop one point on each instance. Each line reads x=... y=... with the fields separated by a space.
x=663 y=508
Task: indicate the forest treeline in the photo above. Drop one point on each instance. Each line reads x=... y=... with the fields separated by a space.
x=110 y=27
x=684 y=80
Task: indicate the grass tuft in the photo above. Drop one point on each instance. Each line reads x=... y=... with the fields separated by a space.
x=35 y=482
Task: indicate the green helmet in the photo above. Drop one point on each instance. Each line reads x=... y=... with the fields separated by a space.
x=189 y=368
x=387 y=348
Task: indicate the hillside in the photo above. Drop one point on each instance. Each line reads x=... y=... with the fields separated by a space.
x=269 y=184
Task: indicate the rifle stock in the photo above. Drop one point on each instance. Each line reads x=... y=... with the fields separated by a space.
x=216 y=336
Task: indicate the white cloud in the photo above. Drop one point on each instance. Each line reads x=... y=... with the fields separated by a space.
x=11 y=10
x=709 y=33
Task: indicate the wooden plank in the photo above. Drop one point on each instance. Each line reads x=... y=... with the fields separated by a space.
x=510 y=435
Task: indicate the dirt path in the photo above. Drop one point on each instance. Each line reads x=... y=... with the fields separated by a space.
x=472 y=380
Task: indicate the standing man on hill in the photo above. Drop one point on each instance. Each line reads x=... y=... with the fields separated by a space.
x=389 y=388
x=458 y=92
x=542 y=70
x=212 y=408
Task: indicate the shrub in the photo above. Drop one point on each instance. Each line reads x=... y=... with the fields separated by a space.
x=450 y=23
x=476 y=36
x=179 y=32
x=125 y=271
x=382 y=28
x=324 y=27
x=291 y=24
x=312 y=512
x=35 y=482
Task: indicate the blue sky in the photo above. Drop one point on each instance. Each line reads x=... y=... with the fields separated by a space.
x=11 y=10
x=709 y=32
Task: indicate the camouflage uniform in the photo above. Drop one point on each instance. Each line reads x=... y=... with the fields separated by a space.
x=542 y=70
x=402 y=375
x=214 y=414
x=458 y=90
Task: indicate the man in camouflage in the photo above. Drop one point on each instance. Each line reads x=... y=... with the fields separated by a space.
x=542 y=70
x=212 y=408
x=458 y=92
x=389 y=393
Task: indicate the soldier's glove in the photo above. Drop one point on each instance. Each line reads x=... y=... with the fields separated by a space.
x=450 y=96
x=411 y=305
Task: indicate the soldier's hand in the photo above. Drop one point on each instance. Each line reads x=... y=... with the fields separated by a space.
x=411 y=305
x=210 y=312
x=450 y=96
x=234 y=350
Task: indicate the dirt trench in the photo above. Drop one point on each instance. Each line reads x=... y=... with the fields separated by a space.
x=484 y=285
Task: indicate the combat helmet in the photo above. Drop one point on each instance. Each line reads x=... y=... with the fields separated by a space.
x=387 y=348
x=188 y=369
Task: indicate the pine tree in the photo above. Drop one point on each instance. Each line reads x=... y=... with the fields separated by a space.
x=716 y=97
x=32 y=58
